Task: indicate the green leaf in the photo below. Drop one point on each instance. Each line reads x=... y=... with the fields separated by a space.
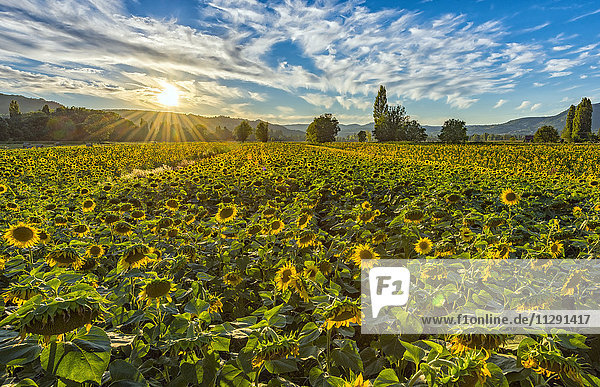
x=348 y=357
x=121 y=370
x=233 y=376
x=309 y=333
x=386 y=378
x=82 y=357
x=281 y=366
x=12 y=352
x=413 y=353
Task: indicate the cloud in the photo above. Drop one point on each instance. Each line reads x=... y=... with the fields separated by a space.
x=536 y=106
x=585 y=15
x=560 y=74
x=562 y=48
x=536 y=28
x=500 y=103
x=538 y=84
x=524 y=105
x=319 y=100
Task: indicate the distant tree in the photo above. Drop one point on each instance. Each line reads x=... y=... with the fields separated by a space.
x=4 y=132
x=362 y=136
x=453 y=131
x=13 y=109
x=582 y=121
x=323 y=129
x=242 y=131
x=415 y=132
x=262 y=131
x=46 y=109
x=380 y=107
x=476 y=137
x=383 y=130
x=546 y=133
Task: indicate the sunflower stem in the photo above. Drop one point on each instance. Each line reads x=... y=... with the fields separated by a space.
x=328 y=350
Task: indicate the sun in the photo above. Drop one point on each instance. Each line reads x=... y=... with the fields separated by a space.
x=169 y=96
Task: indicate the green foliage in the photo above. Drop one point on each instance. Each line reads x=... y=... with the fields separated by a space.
x=453 y=131
x=546 y=133
x=380 y=107
x=46 y=109
x=13 y=109
x=242 y=131
x=568 y=130
x=415 y=132
x=392 y=123
x=262 y=131
x=582 y=121
x=323 y=129
x=362 y=136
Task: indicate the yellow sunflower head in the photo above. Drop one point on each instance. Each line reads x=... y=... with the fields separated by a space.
x=226 y=213
x=95 y=251
x=275 y=227
x=122 y=228
x=414 y=216
x=232 y=279
x=306 y=239
x=88 y=205
x=157 y=289
x=284 y=275
x=342 y=314
x=137 y=256
x=423 y=246
x=509 y=197
x=64 y=257
x=22 y=235
x=556 y=249
x=3 y=189
x=303 y=220
x=280 y=348
x=172 y=204
x=361 y=253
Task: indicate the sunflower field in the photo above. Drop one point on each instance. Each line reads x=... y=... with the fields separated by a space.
x=203 y=264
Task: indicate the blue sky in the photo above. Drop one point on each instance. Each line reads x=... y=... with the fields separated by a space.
x=287 y=61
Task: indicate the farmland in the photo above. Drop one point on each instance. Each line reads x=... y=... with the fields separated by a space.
x=228 y=264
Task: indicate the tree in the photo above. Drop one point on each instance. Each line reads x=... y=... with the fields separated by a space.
x=46 y=109
x=546 y=133
x=262 y=131
x=415 y=132
x=380 y=107
x=453 y=131
x=362 y=136
x=242 y=131
x=323 y=129
x=13 y=109
x=568 y=130
x=383 y=130
x=397 y=120
x=582 y=121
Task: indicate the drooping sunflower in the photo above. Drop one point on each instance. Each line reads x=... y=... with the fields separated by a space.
x=122 y=228
x=19 y=293
x=12 y=206
x=95 y=251
x=136 y=256
x=44 y=237
x=509 y=197
x=156 y=289
x=414 y=216
x=462 y=343
x=361 y=253
x=232 y=279
x=226 y=213
x=453 y=198
x=342 y=314
x=269 y=212
x=556 y=249
x=172 y=204
x=466 y=234
x=64 y=257
x=81 y=230
x=423 y=246
x=22 y=235
x=297 y=283
x=88 y=205
x=306 y=239
x=280 y=348
x=216 y=305
x=310 y=270
x=138 y=214
x=254 y=229
x=275 y=227
x=379 y=237
x=284 y=275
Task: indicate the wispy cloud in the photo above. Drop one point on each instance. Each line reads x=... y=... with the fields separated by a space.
x=585 y=15
x=524 y=105
x=536 y=28
x=500 y=103
x=536 y=106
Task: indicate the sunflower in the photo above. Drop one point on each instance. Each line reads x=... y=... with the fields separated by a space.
x=310 y=270
x=81 y=230
x=138 y=214
x=280 y=348
x=88 y=205
x=367 y=216
x=232 y=279
x=22 y=235
x=12 y=206
x=303 y=220
x=122 y=229
x=64 y=258
x=379 y=237
x=3 y=189
x=556 y=249
x=172 y=204
x=365 y=205
x=325 y=267
x=226 y=213
x=341 y=314
x=275 y=227
x=18 y=294
x=216 y=305
x=466 y=234
x=357 y=381
x=44 y=237
x=414 y=216
x=95 y=251
x=299 y=287
x=362 y=252
x=573 y=282
x=306 y=239
x=462 y=343
x=453 y=198
x=269 y=212
x=157 y=289
x=137 y=256
x=509 y=197
x=284 y=275
x=423 y=246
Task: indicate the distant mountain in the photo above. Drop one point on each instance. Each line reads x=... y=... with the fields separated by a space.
x=26 y=104
x=519 y=126
x=167 y=126
x=524 y=126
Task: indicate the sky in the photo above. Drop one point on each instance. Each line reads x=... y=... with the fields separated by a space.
x=288 y=61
